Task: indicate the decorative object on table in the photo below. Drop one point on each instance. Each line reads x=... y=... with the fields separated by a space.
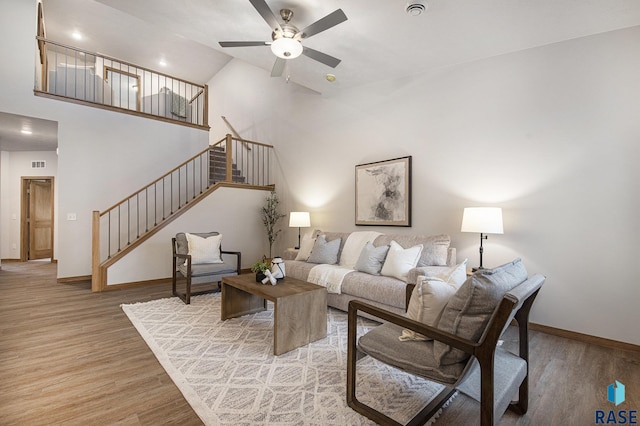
x=485 y=220
x=270 y=217
x=300 y=220
x=277 y=268
x=269 y=278
x=383 y=193
x=260 y=268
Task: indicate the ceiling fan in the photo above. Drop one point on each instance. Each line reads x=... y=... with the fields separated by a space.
x=287 y=39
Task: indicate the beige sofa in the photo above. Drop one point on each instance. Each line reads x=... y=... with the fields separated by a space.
x=386 y=292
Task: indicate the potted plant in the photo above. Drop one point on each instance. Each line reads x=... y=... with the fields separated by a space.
x=259 y=268
x=270 y=217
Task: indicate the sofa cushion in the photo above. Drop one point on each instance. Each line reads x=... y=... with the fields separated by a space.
x=324 y=251
x=430 y=296
x=204 y=250
x=306 y=245
x=371 y=259
x=469 y=310
x=435 y=247
x=387 y=290
x=400 y=261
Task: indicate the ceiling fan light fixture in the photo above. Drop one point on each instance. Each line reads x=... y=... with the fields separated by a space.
x=286 y=48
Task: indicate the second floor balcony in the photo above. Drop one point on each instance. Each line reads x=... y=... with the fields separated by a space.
x=71 y=74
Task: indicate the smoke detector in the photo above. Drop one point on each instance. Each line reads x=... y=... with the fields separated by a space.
x=416 y=7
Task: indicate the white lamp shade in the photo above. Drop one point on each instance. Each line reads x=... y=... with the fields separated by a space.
x=286 y=48
x=299 y=219
x=486 y=220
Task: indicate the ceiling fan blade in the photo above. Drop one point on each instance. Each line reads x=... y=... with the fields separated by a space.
x=243 y=43
x=321 y=57
x=278 y=67
x=331 y=20
x=266 y=13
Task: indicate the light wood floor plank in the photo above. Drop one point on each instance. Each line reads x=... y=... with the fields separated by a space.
x=69 y=356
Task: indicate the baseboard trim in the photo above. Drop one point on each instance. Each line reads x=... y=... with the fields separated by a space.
x=585 y=338
x=137 y=284
x=67 y=280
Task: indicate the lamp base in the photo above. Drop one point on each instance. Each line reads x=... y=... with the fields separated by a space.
x=477 y=268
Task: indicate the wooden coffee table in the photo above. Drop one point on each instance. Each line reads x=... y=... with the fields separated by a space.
x=300 y=308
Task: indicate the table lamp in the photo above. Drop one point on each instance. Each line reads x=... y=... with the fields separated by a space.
x=299 y=219
x=485 y=220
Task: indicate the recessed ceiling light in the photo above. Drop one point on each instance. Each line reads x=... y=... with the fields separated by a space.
x=26 y=131
x=76 y=35
x=162 y=63
x=330 y=78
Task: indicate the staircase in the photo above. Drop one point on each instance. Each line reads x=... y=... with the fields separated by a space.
x=231 y=162
x=218 y=167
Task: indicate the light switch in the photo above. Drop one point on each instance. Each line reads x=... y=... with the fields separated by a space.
x=71 y=216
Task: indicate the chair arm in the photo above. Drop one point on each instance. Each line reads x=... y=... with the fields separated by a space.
x=238 y=256
x=450 y=339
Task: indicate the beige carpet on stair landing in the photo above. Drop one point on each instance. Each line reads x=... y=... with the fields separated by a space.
x=229 y=375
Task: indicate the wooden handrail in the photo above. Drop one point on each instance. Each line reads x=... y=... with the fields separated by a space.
x=200 y=92
x=179 y=167
x=243 y=140
x=155 y=181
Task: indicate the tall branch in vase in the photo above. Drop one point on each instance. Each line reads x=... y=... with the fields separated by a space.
x=270 y=217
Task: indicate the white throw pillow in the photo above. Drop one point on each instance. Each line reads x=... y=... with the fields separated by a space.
x=204 y=250
x=400 y=261
x=306 y=245
x=430 y=296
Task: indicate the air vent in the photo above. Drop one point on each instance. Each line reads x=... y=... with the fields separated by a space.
x=415 y=8
x=41 y=164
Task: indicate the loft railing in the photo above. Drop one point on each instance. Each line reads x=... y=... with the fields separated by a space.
x=229 y=162
x=77 y=75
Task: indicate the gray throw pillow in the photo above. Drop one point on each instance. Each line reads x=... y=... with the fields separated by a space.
x=371 y=259
x=469 y=310
x=325 y=252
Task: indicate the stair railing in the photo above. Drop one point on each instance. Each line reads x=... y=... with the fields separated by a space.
x=72 y=74
x=121 y=227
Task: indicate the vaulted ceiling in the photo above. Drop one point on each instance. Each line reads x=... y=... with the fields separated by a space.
x=379 y=41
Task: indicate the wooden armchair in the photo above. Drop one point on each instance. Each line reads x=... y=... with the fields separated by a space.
x=488 y=373
x=200 y=272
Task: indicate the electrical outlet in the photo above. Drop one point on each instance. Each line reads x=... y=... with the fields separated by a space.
x=71 y=216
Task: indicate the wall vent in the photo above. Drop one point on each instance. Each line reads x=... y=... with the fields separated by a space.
x=41 y=164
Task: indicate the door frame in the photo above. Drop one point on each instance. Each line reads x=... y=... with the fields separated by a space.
x=24 y=197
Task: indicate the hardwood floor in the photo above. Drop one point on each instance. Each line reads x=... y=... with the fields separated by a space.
x=69 y=356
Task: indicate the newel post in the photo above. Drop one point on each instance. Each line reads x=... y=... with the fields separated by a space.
x=205 y=108
x=229 y=165
x=96 y=279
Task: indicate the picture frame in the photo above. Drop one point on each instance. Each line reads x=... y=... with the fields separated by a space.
x=383 y=193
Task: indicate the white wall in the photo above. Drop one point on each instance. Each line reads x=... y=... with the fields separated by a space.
x=103 y=156
x=14 y=166
x=549 y=134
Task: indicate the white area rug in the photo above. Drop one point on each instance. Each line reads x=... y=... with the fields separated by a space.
x=229 y=375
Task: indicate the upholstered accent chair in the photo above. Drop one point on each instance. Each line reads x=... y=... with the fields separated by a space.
x=462 y=352
x=198 y=258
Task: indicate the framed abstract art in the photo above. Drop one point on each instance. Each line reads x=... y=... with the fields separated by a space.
x=383 y=193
